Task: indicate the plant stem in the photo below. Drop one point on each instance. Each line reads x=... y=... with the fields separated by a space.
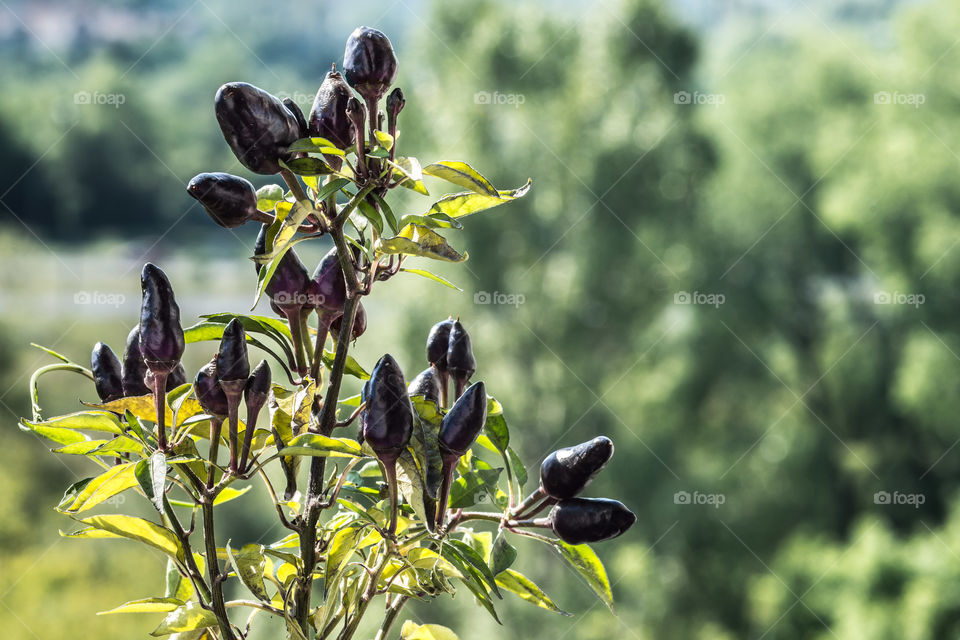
x=215 y=425
x=213 y=569
x=193 y=571
x=449 y=466
x=369 y=592
x=295 y=188
x=233 y=425
x=390 y=474
x=323 y=328
x=530 y=501
x=293 y=319
x=253 y=412
x=392 y=612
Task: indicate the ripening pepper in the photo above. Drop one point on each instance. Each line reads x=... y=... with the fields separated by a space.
x=328 y=117
x=297 y=112
x=566 y=472
x=580 y=520
x=395 y=104
x=209 y=393
x=438 y=341
x=460 y=361
x=369 y=63
x=255 y=393
x=134 y=368
x=290 y=280
x=256 y=125
x=328 y=289
x=458 y=431
x=426 y=384
x=232 y=362
x=161 y=336
x=359 y=323
x=231 y=201
x=388 y=419
x=107 y=374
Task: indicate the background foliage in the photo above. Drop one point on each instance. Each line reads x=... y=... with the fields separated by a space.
x=788 y=187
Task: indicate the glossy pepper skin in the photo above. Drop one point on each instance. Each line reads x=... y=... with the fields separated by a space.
x=359 y=323
x=438 y=341
x=426 y=384
x=566 y=472
x=328 y=117
x=290 y=280
x=328 y=289
x=209 y=394
x=258 y=385
x=232 y=361
x=460 y=360
x=464 y=422
x=161 y=336
x=297 y=112
x=580 y=520
x=256 y=125
x=107 y=375
x=175 y=378
x=231 y=201
x=134 y=368
x=369 y=62
x=387 y=422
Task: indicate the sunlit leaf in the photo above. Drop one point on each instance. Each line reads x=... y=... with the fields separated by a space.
x=423 y=273
x=146 y=605
x=108 y=484
x=186 y=618
x=522 y=586
x=83 y=420
x=461 y=205
x=120 y=444
x=314 y=444
x=585 y=561
x=409 y=171
x=413 y=631
x=249 y=563
x=268 y=196
x=152 y=476
x=495 y=427
x=120 y=526
x=461 y=174
x=502 y=555
x=315 y=145
x=308 y=166
x=417 y=240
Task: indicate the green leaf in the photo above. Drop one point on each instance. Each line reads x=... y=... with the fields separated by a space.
x=119 y=444
x=461 y=174
x=408 y=170
x=423 y=273
x=213 y=331
x=249 y=563
x=308 y=166
x=413 y=631
x=411 y=484
x=495 y=427
x=430 y=221
x=502 y=555
x=51 y=352
x=146 y=605
x=251 y=323
x=177 y=586
x=84 y=420
x=314 y=444
x=384 y=139
x=473 y=559
x=316 y=145
x=478 y=485
x=341 y=548
x=120 y=526
x=371 y=214
x=387 y=212
x=461 y=205
x=268 y=196
x=585 y=561
x=152 y=476
x=108 y=484
x=189 y=617
x=351 y=367
x=519 y=471
x=522 y=586
x=417 y=240
x=59 y=435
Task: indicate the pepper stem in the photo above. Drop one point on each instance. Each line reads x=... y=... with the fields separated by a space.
x=293 y=319
x=253 y=412
x=459 y=384
x=215 y=426
x=160 y=402
x=233 y=416
x=323 y=329
x=390 y=473
x=444 y=387
x=449 y=465
x=532 y=500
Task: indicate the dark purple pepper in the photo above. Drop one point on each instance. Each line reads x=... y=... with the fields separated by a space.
x=395 y=104
x=580 y=520
x=232 y=361
x=209 y=394
x=107 y=374
x=359 y=323
x=464 y=422
x=438 y=341
x=289 y=282
x=297 y=112
x=161 y=336
x=328 y=117
x=364 y=394
x=460 y=360
x=134 y=368
x=258 y=385
x=427 y=384
x=328 y=289
x=369 y=62
x=566 y=472
x=231 y=201
x=388 y=419
x=175 y=378
x=256 y=125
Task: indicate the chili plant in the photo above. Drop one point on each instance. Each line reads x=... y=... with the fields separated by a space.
x=425 y=497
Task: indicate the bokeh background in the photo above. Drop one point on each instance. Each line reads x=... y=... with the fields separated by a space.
x=739 y=260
